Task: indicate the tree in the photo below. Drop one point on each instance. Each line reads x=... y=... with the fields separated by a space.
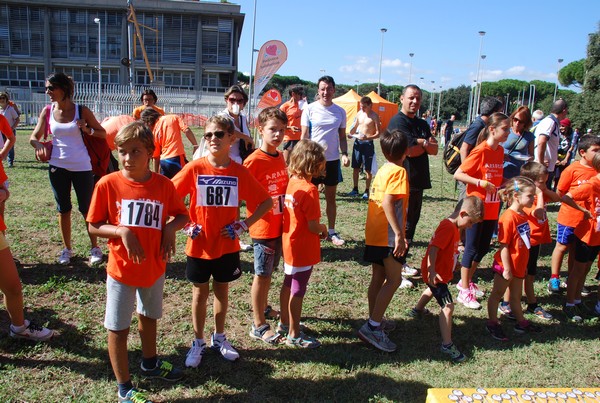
x=572 y=74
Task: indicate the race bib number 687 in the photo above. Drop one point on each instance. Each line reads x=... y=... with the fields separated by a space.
x=216 y=191
x=141 y=213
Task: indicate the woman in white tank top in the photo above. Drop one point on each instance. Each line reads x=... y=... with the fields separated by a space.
x=70 y=164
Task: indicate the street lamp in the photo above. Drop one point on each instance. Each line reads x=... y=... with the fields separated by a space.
x=556 y=86
x=410 y=70
x=383 y=31
x=250 y=96
x=439 y=105
x=475 y=106
x=480 y=84
x=97 y=21
x=432 y=100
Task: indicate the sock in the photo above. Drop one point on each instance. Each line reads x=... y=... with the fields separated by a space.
x=19 y=329
x=569 y=304
x=504 y=303
x=373 y=325
x=149 y=363
x=554 y=276
x=124 y=388
x=219 y=336
x=355 y=188
x=200 y=342
x=577 y=301
x=446 y=346
x=331 y=231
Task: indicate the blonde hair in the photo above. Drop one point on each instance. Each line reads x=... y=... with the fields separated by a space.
x=135 y=131
x=307 y=159
x=222 y=121
x=472 y=205
x=514 y=186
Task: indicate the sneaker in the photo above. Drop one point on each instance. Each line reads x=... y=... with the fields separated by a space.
x=572 y=314
x=164 y=370
x=409 y=271
x=540 y=312
x=476 y=291
x=65 y=256
x=554 y=286
x=303 y=341
x=335 y=239
x=194 y=356
x=244 y=247
x=95 y=256
x=224 y=347
x=527 y=327
x=31 y=332
x=468 y=300
x=406 y=283
x=353 y=193
x=376 y=337
x=454 y=353
x=496 y=331
x=504 y=310
x=585 y=291
x=585 y=312
x=134 y=396
x=365 y=196
x=388 y=325
x=417 y=314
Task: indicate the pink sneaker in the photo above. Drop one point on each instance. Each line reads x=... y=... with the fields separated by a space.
x=476 y=291
x=466 y=298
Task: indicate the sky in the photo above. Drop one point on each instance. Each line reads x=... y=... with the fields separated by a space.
x=524 y=39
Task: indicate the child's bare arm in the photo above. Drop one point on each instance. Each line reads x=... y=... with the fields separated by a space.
x=135 y=251
x=167 y=245
x=568 y=200
x=316 y=227
x=459 y=175
x=431 y=260
x=390 y=214
x=506 y=262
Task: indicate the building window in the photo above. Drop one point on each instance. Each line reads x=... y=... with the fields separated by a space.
x=217 y=40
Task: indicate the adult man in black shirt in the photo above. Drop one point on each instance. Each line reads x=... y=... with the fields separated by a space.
x=420 y=144
x=449 y=129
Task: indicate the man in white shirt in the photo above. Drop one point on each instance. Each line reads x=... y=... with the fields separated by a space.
x=547 y=138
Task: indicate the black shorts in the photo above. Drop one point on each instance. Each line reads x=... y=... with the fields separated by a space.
x=363 y=153
x=585 y=253
x=441 y=294
x=376 y=254
x=290 y=144
x=224 y=269
x=333 y=174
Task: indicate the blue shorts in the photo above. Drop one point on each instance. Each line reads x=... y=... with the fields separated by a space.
x=170 y=166
x=267 y=253
x=362 y=154
x=564 y=235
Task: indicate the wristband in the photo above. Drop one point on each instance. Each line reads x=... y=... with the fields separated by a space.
x=482 y=183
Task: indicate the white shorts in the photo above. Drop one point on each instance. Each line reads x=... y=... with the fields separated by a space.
x=120 y=300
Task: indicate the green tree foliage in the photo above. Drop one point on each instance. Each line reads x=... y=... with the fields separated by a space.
x=585 y=110
x=572 y=74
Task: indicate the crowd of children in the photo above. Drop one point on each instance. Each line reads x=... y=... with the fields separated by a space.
x=139 y=212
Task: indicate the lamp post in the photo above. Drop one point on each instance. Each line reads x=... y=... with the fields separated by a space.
x=439 y=105
x=480 y=84
x=432 y=100
x=383 y=31
x=556 y=86
x=97 y=21
x=410 y=70
x=475 y=106
x=250 y=96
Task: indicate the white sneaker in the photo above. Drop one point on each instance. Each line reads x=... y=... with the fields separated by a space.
x=224 y=347
x=466 y=298
x=476 y=291
x=335 y=239
x=194 y=356
x=65 y=256
x=244 y=247
x=95 y=256
x=32 y=332
x=409 y=271
x=406 y=283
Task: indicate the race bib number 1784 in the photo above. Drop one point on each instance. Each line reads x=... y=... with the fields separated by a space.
x=141 y=213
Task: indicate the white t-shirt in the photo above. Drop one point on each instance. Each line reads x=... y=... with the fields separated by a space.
x=325 y=122
x=550 y=129
x=10 y=114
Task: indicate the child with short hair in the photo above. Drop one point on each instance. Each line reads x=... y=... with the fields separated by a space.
x=301 y=232
x=268 y=166
x=568 y=218
x=438 y=266
x=587 y=244
x=385 y=240
x=131 y=208
x=482 y=172
x=510 y=261
x=216 y=185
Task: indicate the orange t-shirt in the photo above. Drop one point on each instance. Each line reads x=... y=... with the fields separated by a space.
x=540 y=230
x=513 y=231
x=112 y=125
x=300 y=246
x=390 y=179
x=215 y=195
x=137 y=112
x=167 y=137
x=271 y=172
x=5 y=127
x=572 y=177
x=485 y=163
x=445 y=238
x=144 y=209
x=588 y=196
x=294 y=115
x=3 y=178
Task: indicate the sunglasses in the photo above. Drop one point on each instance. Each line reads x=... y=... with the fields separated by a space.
x=50 y=88
x=518 y=120
x=239 y=101
x=218 y=134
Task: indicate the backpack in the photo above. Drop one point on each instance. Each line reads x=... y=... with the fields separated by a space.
x=452 y=152
x=98 y=151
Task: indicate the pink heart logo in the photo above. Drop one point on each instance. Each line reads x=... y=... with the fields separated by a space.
x=271 y=50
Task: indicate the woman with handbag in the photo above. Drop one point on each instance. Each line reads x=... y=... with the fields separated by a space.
x=236 y=99
x=518 y=147
x=69 y=161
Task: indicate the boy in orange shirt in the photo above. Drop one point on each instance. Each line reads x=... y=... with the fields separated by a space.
x=568 y=218
x=131 y=208
x=385 y=242
x=169 y=152
x=216 y=185
x=268 y=166
x=438 y=265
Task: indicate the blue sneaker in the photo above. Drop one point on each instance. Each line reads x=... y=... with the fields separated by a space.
x=134 y=396
x=353 y=193
x=554 y=286
x=164 y=370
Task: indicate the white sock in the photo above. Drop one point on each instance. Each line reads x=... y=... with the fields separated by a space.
x=200 y=342
x=19 y=329
x=331 y=231
x=577 y=301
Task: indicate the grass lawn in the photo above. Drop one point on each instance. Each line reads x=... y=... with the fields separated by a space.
x=74 y=366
